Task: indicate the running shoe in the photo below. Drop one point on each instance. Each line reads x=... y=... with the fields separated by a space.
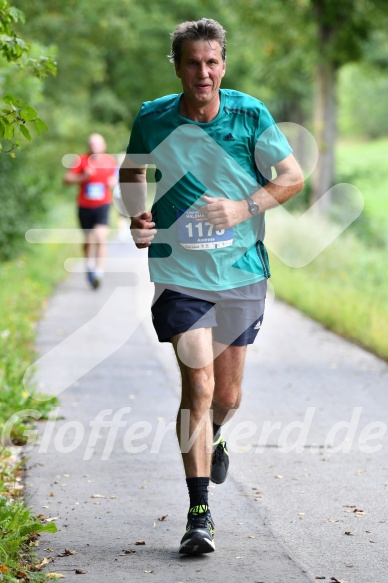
x=96 y=281
x=220 y=461
x=199 y=534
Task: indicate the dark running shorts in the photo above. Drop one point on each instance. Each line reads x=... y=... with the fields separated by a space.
x=89 y=218
x=235 y=315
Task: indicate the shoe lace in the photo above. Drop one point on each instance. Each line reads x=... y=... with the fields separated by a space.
x=201 y=520
x=218 y=453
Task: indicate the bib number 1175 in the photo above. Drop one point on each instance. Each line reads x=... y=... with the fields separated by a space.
x=194 y=233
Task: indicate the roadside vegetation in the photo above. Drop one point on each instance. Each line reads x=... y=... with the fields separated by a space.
x=27 y=282
x=345 y=287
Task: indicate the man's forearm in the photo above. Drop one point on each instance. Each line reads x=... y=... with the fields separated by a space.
x=133 y=187
x=276 y=192
x=288 y=182
x=73 y=178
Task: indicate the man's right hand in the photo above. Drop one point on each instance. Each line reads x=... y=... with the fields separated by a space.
x=142 y=228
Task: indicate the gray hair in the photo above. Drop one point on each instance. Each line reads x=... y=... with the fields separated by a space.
x=204 y=29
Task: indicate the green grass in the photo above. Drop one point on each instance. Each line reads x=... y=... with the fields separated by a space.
x=19 y=533
x=26 y=284
x=345 y=287
x=364 y=165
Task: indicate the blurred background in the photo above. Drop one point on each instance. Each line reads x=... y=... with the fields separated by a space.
x=83 y=66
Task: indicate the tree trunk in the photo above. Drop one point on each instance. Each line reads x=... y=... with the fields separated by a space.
x=325 y=132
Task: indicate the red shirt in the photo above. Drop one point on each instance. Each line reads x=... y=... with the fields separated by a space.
x=94 y=191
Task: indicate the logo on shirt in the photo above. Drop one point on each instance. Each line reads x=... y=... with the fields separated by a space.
x=229 y=138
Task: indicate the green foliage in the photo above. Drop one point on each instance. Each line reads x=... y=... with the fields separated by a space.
x=25 y=199
x=26 y=283
x=364 y=165
x=18 y=528
x=363 y=90
x=345 y=286
x=18 y=117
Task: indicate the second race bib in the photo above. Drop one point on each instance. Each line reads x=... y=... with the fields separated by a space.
x=197 y=234
x=95 y=191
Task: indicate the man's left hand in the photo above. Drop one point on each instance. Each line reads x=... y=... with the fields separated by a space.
x=223 y=212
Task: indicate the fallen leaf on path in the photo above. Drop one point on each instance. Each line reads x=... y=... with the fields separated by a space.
x=127 y=552
x=373 y=541
x=140 y=542
x=45 y=561
x=338 y=580
x=349 y=533
x=51 y=519
x=251 y=536
x=279 y=477
x=163 y=517
x=145 y=571
x=320 y=577
x=55 y=576
x=359 y=512
x=301 y=515
x=97 y=496
x=80 y=572
x=67 y=553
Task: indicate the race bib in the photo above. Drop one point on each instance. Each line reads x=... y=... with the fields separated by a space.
x=196 y=235
x=95 y=191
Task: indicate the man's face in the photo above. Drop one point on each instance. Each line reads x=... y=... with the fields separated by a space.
x=201 y=69
x=96 y=144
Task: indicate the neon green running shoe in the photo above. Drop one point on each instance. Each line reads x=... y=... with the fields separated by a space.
x=220 y=461
x=199 y=534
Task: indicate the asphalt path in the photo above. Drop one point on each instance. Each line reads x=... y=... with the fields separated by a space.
x=306 y=497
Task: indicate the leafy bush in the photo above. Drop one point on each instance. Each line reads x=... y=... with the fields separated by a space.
x=24 y=200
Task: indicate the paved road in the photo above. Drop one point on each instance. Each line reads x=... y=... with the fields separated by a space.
x=306 y=498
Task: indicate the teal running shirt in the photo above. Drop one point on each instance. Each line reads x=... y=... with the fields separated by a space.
x=231 y=156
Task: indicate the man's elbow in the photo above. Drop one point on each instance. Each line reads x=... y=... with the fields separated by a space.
x=67 y=180
x=298 y=180
x=300 y=184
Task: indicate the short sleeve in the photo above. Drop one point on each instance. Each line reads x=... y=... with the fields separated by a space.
x=271 y=144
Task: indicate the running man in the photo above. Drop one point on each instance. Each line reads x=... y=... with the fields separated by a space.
x=95 y=173
x=214 y=150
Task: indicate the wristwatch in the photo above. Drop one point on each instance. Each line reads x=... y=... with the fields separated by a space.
x=252 y=206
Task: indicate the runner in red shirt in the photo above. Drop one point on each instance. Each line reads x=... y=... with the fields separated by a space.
x=95 y=173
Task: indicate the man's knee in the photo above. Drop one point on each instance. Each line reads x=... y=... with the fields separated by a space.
x=197 y=389
x=227 y=399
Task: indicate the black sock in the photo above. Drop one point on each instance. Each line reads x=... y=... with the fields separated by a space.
x=216 y=429
x=198 y=491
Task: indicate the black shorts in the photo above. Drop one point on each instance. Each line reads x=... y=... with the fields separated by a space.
x=235 y=315
x=90 y=217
